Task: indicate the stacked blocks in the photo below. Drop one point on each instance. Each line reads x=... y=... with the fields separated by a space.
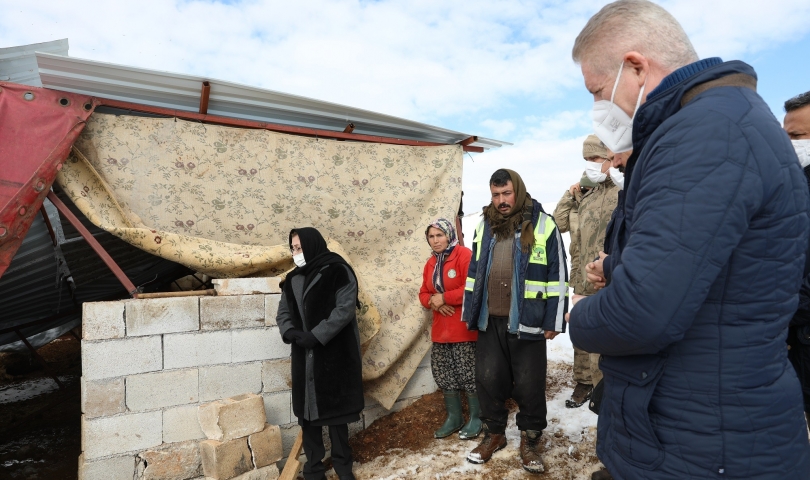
x=241 y=445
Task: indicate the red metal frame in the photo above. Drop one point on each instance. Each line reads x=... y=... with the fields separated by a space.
x=237 y=122
x=91 y=240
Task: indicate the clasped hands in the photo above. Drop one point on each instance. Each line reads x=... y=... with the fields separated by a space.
x=437 y=305
x=301 y=338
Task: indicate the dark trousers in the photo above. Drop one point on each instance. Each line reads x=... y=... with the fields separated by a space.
x=314 y=449
x=506 y=367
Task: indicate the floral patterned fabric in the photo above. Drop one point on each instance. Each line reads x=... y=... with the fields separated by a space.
x=222 y=200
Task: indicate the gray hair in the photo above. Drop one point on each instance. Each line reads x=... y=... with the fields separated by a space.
x=633 y=25
x=797 y=102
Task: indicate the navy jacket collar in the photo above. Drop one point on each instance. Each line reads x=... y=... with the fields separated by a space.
x=667 y=101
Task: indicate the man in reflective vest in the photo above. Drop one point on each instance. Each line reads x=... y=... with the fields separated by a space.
x=516 y=297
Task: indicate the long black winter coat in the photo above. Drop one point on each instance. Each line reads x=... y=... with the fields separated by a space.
x=799 y=332
x=692 y=326
x=334 y=388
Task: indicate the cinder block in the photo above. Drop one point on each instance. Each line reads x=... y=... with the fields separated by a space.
x=116 y=358
x=257 y=344
x=102 y=437
x=112 y=468
x=174 y=461
x=102 y=398
x=103 y=320
x=150 y=391
x=421 y=383
x=225 y=460
x=156 y=316
x=246 y=286
x=265 y=446
x=277 y=407
x=181 y=350
x=269 y=472
x=271 y=309
x=276 y=375
x=233 y=417
x=228 y=312
x=181 y=424
x=222 y=381
x=288 y=435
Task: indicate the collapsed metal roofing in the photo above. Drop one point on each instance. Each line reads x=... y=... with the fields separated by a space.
x=47 y=65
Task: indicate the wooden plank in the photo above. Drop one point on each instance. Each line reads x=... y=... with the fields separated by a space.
x=293 y=464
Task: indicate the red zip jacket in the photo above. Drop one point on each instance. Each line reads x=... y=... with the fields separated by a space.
x=449 y=329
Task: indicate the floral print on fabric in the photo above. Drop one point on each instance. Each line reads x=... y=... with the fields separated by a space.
x=221 y=200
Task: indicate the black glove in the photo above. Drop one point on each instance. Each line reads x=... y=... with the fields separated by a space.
x=306 y=340
x=291 y=335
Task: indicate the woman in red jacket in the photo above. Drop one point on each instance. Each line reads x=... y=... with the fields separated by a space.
x=453 y=353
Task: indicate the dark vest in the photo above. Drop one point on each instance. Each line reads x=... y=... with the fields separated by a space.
x=337 y=365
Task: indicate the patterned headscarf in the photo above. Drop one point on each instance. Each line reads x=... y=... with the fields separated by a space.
x=450 y=232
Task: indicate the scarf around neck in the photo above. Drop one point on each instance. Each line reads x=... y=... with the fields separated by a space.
x=316 y=254
x=450 y=232
x=518 y=218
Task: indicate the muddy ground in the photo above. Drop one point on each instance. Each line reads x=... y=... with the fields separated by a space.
x=40 y=435
x=401 y=445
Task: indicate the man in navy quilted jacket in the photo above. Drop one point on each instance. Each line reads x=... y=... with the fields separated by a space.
x=693 y=321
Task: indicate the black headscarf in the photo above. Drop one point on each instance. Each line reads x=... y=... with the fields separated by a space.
x=316 y=254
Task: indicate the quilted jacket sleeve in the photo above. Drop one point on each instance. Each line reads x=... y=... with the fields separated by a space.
x=693 y=205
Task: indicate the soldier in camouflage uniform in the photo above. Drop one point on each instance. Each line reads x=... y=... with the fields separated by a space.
x=587 y=226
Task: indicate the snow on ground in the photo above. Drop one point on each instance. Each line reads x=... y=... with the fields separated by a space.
x=18 y=392
x=569 y=442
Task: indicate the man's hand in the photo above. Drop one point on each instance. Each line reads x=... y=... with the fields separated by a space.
x=594 y=272
x=574 y=300
x=446 y=310
x=550 y=335
x=574 y=189
x=436 y=301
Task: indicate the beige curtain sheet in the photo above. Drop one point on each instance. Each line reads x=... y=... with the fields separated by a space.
x=222 y=201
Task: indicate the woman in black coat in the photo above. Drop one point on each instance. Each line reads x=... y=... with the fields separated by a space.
x=317 y=316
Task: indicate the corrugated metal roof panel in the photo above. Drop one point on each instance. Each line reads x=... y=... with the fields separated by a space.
x=47 y=64
x=182 y=92
x=19 y=65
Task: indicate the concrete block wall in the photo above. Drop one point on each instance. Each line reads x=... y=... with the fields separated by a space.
x=148 y=364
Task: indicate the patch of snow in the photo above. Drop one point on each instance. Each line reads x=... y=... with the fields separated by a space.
x=18 y=392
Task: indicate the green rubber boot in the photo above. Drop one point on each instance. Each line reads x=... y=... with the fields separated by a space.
x=474 y=426
x=454 y=421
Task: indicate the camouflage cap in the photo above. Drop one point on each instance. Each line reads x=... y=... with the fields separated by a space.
x=593 y=147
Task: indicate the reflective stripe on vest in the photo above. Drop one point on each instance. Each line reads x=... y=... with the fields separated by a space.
x=479 y=233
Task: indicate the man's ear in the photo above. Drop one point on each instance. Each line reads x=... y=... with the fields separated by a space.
x=639 y=64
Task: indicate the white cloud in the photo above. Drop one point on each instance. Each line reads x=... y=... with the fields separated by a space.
x=425 y=60
x=499 y=128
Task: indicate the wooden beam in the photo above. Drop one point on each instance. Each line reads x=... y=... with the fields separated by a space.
x=293 y=464
x=204 y=94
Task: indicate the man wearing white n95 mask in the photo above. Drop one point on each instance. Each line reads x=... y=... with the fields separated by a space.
x=797 y=126
x=591 y=215
x=710 y=253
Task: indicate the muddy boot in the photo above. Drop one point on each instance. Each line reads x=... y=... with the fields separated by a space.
x=582 y=393
x=530 y=451
x=491 y=443
x=454 y=421
x=474 y=426
x=602 y=474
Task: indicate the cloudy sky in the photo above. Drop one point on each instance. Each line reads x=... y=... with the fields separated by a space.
x=497 y=69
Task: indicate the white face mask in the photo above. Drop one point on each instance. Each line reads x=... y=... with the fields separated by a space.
x=611 y=124
x=802 y=148
x=593 y=171
x=299 y=259
x=617 y=177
